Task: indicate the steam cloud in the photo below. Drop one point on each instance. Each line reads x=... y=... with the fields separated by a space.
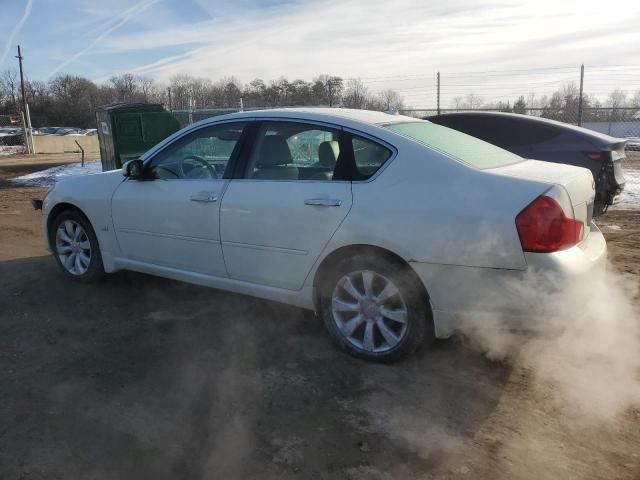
x=583 y=338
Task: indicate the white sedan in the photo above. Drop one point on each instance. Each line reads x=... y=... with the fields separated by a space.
x=392 y=229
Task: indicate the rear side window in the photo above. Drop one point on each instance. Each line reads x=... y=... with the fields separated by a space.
x=294 y=151
x=369 y=156
x=467 y=149
x=504 y=132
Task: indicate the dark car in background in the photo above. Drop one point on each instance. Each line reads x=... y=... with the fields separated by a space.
x=10 y=136
x=550 y=141
x=633 y=144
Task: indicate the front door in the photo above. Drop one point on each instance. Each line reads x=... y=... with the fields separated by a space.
x=172 y=220
x=276 y=220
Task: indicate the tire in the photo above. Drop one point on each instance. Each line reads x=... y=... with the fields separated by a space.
x=76 y=240
x=394 y=301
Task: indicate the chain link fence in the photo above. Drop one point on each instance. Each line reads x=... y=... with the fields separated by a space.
x=9 y=121
x=11 y=135
x=617 y=122
x=187 y=117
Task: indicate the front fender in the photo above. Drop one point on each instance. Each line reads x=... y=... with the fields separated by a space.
x=91 y=194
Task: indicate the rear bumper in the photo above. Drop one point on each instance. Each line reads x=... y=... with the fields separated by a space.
x=458 y=293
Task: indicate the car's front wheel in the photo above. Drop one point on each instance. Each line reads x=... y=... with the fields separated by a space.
x=375 y=308
x=75 y=246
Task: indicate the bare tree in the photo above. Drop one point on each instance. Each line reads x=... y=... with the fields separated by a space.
x=9 y=84
x=472 y=101
x=617 y=99
x=148 y=88
x=36 y=92
x=457 y=102
x=356 y=94
x=531 y=100
x=126 y=85
x=180 y=91
x=390 y=100
x=76 y=99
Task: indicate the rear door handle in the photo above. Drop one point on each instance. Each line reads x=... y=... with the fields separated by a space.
x=204 y=196
x=323 y=202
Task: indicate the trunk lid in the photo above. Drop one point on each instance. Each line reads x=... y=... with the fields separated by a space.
x=577 y=182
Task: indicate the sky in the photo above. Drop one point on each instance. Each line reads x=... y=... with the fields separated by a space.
x=490 y=47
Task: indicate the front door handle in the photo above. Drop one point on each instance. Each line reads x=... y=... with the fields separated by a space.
x=323 y=202
x=204 y=196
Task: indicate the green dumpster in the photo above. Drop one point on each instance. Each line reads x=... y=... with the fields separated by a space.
x=127 y=130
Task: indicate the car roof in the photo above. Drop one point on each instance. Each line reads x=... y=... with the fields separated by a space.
x=592 y=134
x=344 y=117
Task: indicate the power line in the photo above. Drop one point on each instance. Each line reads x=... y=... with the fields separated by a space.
x=477 y=72
x=407 y=78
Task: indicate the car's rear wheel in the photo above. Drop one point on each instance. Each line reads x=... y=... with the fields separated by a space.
x=376 y=309
x=75 y=247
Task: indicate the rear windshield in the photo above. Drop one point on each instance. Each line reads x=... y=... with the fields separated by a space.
x=467 y=149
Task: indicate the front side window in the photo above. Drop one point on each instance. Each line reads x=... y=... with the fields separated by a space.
x=467 y=149
x=294 y=151
x=203 y=154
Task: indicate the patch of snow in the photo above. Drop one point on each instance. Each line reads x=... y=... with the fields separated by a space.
x=53 y=174
x=630 y=197
x=6 y=150
x=612 y=227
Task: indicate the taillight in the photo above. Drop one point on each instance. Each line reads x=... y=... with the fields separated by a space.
x=543 y=227
x=596 y=157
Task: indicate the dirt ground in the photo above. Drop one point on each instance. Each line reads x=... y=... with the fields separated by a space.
x=140 y=377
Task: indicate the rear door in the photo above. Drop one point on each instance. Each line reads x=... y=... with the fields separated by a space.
x=276 y=219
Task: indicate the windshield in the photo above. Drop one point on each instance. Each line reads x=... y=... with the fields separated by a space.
x=467 y=149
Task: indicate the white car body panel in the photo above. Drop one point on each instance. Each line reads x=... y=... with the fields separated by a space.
x=453 y=224
x=154 y=218
x=92 y=195
x=267 y=225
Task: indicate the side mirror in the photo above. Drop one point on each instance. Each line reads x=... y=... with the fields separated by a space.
x=133 y=169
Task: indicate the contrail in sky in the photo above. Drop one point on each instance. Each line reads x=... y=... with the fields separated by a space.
x=123 y=18
x=16 y=29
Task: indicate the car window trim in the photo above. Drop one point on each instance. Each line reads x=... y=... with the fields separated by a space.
x=373 y=138
x=245 y=147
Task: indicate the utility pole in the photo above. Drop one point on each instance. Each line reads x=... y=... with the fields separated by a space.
x=169 y=93
x=438 y=98
x=329 y=85
x=24 y=98
x=25 y=113
x=580 y=97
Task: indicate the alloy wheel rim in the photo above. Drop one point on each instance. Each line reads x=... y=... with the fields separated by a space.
x=73 y=247
x=369 y=311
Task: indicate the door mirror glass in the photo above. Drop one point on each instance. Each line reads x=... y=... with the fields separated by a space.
x=133 y=169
